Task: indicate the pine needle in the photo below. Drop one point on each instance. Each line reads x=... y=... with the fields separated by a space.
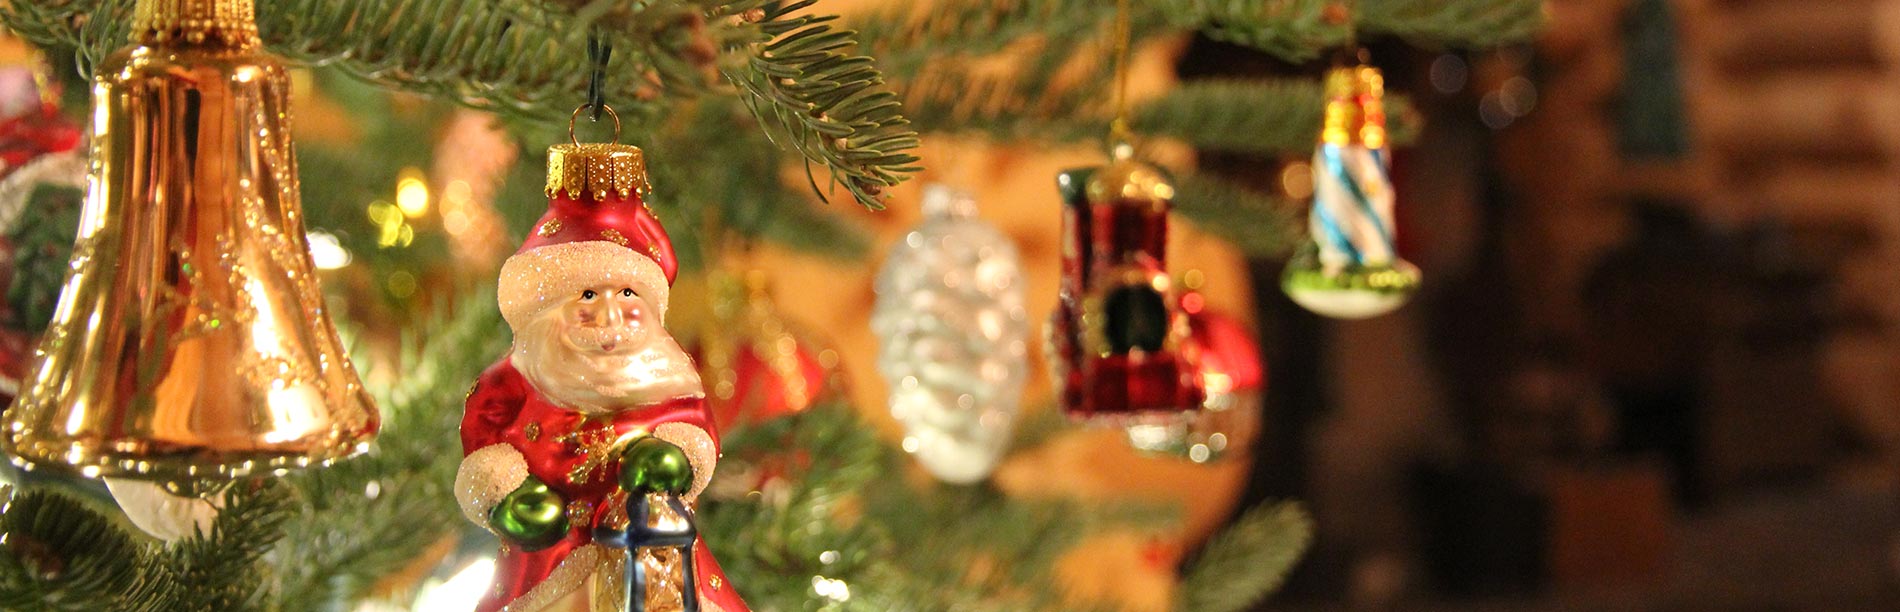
x=1247 y=561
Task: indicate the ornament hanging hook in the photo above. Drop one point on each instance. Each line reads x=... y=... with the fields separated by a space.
x=598 y=53
x=571 y=119
x=1344 y=14
x=1120 y=138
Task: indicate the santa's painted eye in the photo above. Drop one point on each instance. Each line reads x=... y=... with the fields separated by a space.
x=589 y=295
x=626 y=293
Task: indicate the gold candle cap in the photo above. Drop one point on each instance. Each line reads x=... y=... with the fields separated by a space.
x=230 y=22
x=1369 y=86
x=597 y=169
x=1343 y=117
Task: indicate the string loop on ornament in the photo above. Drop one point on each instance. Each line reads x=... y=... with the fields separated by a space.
x=1119 y=136
x=571 y=119
x=598 y=53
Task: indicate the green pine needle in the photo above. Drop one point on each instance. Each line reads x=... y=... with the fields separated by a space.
x=1247 y=561
x=57 y=554
x=219 y=569
x=42 y=240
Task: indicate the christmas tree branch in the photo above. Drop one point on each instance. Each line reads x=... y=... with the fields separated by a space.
x=1261 y=116
x=734 y=180
x=365 y=518
x=219 y=569
x=56 y=553
x=1294 y=30
x=834 y=507
x=527 y=59
x=1453 y=23
x=827 y=102
x=1247 y=561
x=911 y=38
x=1257 y=224
x=1298 y=30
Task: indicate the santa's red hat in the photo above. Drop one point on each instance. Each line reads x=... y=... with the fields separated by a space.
x=597 y=232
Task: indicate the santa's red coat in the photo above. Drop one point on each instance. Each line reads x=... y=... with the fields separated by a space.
x=504 y=409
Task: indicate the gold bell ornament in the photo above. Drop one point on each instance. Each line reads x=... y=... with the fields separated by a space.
x=190 y=344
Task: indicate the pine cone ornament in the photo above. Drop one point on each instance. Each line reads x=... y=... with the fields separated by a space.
x=953 y=336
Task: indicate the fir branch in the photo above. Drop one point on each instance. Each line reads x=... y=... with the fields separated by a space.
x=735 y=180
x=1275 y=116
x=1258 y=224
x=56 y=553
x=1298 y=30
x=828 y=103
x=1268 y=116
x=42 y=242
x=1454 y=23
x=220 y=570
x=365 y=518
x=839 y=508
x=1247 y=561
x=909 y=39
x=525 y=58
x=1293 y=30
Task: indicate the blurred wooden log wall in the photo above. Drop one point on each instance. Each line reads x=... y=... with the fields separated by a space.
x=1794 y=115
x=1798 y=124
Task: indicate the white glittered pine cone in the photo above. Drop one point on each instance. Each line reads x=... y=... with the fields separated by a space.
x=953 y=338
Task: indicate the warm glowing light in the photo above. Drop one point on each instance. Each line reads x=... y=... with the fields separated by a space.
x=1297 y=180
x=831 y=588
x=412 y=193
x=460 y=592
x=455 y=222
x=294 y=410
x=401 y=284
x=264 y=337
x=458 y=193
x=1192 y=303
x=392 y=226
x=326 y=251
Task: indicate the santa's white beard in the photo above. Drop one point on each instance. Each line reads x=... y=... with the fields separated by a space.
x=602 y=383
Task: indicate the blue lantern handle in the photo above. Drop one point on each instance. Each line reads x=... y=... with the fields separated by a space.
x=639 y=536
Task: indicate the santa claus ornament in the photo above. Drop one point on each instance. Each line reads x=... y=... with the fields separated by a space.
x=587 y=444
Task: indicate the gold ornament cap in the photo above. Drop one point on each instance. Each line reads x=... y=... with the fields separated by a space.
x=230 y=22
x=1355 y=107
x=597 y=169
x=1128 y=182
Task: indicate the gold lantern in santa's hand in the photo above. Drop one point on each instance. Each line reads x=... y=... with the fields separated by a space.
x=191 y=343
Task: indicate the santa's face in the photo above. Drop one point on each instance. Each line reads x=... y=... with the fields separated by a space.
x=602 y=351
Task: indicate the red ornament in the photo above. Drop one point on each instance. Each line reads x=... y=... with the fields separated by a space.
x=1232 y=375
x=1228 y=354
x=756 y=366
x=1118 y=336
x=25 y=139
x=33 y=134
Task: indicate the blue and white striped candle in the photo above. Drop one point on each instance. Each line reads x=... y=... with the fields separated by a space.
x=1352 y=192
x=1352 y=271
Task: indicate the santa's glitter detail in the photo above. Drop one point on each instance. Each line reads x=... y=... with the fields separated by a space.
x=486 y=476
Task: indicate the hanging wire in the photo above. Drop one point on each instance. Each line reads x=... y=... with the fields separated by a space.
x=1120 y=138
x=598 y=53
